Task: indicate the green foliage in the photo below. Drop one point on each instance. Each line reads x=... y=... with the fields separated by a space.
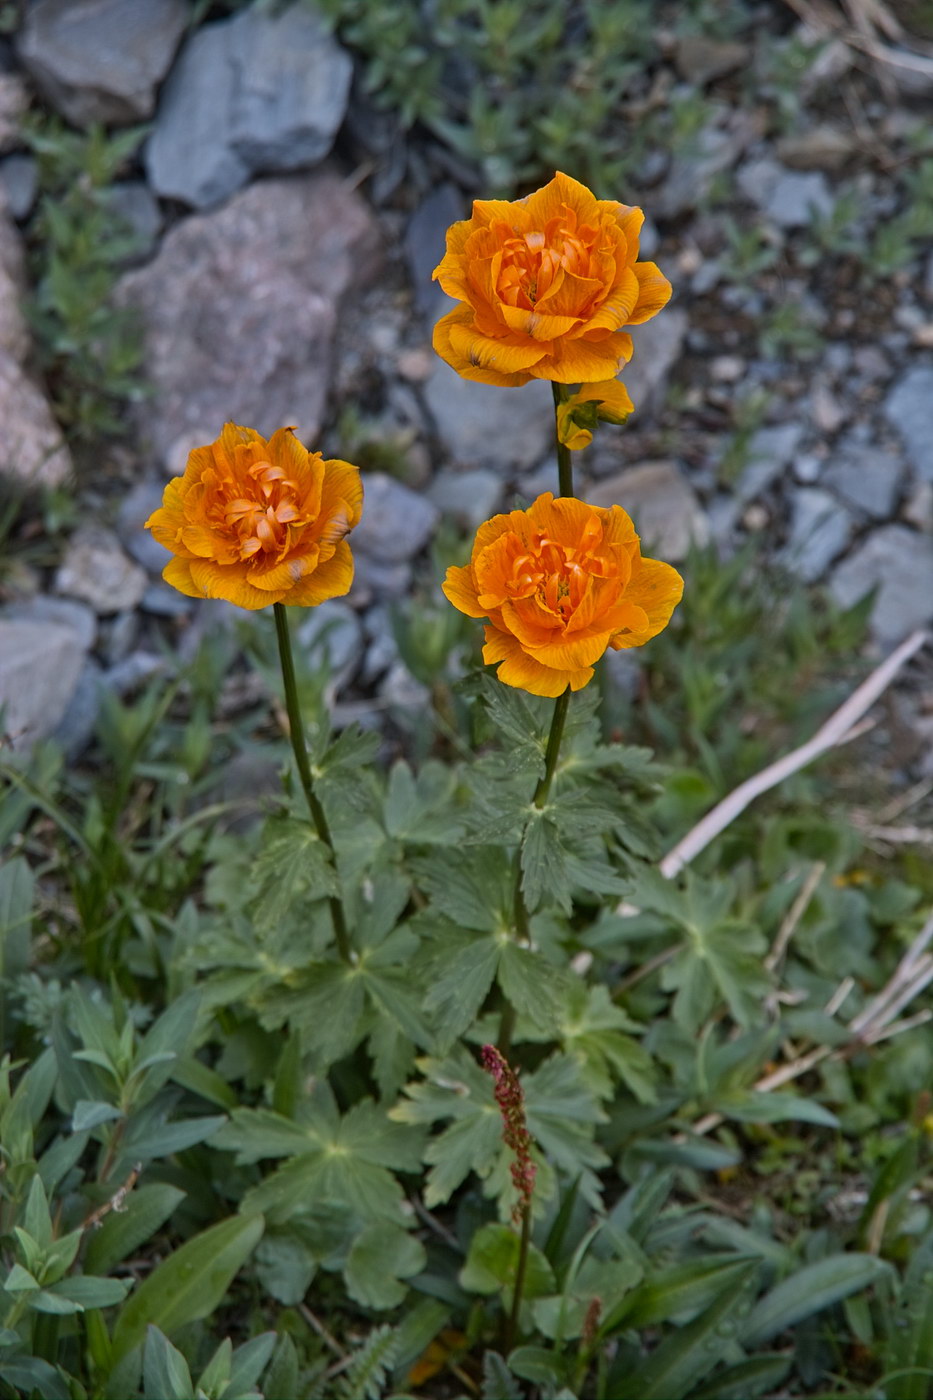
x=89 y=349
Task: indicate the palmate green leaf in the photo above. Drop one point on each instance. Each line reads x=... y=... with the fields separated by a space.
x=474 y=888
x=284 y=1266
x=593 y=1030
x=562 y=1119
x=724 y=959
x=532 y=986
x=519 y=719
x=292 y=863
x=423 y=809
x=453 y=1088
x=563 y=1316
x=544 y=868
x=324 y=1003
x=189 y=1283
x=342 y=774
x=683 y=1359
x=809 y=1290
x=380 y=1257
x=458 y=991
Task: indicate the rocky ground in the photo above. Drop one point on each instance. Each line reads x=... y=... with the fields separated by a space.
x=289 y=234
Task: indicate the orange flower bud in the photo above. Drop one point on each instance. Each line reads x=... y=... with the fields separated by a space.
x=259 y=522
x=561 y=582
x=577 y=416
x=548 y=284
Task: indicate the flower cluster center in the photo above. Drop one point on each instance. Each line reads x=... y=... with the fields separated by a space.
x=557 y=574
x=261 y=520
x=531 y=262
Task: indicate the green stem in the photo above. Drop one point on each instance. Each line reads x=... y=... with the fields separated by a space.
x=564 y=464
x=511 y=1327
x=299 y=748
x=558 y=720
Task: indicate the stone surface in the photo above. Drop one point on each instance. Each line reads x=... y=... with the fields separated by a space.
x=909 y=409
x=239 y=310
x=75 y=729
x=96 y=570
x=425 y=244
x=135 y=509
x=33 y=450
x=658 y=345
x=663 y=505
x=470 y=497
x=482 y=425
x=332 y=635
x=788 y=197
x=19 y=176
x=138 y=209
x=700 y=59
x=262 y=91
x=819 y=148
x=40 y=663
x=820 y=531
x=899 y=562
x=867 y=476
x=715 y=149
x=397 y=522
x=63 y=612
x=101 y=60
x=770 y=452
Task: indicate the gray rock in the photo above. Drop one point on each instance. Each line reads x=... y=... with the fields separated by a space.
x=19 y=176
x=33 y=450
x=118 y=637
x=701 y=59
x=75 y=730
x=470 y=497
x=14 y=334
x=382 y=648
x=658 y=346
x=96 y=570
x=425 y=244
x=64 y=612
x=807 y=467
x=919 y=507
x=40 y=663
x=136 y=508
x=868 y=477
x=101 y=60
x=789 y=198
x=132 y=672
x=239 y=310
x=909 y=409
x=400 y=690
x=663 y=505
x=770 y=452
x=482 y=425
x=820 y=531
x=397 y=522
x=262 y=91
x=331 y=635
x=373 y=579
x=899 y=562
x=137 y=207
x=162 y=600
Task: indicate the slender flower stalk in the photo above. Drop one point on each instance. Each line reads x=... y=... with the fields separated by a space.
x=299 y=748
x=515 y=1135
x=564 y=463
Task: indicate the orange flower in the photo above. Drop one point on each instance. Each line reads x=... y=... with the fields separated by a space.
x=259 y=522
x=561 y=582
x=547 y=285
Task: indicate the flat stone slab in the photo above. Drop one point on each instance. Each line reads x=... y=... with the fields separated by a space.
x=263 y=91
x=40 y=663
x=397 y=522
x=239 y=310
x=482 y=425
x=101 y=60
x=899 y=562
x=662 y=504
x=866 y=476
x=909 y=409
x=96 y=570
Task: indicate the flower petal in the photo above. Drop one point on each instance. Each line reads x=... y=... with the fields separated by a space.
x=524 y=672
x=229 y=581
x=332 y=579
x=657 y=588
x=464 y=366
x=459 y=589
x=654 y=292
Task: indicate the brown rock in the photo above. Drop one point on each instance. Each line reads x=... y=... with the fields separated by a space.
x=821 y=148
x=239 y=310
x=700 y=59
x=663 y=505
